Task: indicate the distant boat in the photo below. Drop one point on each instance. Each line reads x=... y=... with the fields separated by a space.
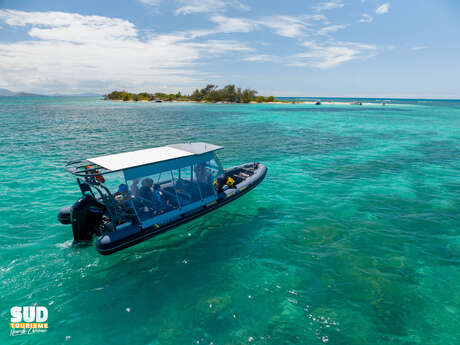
x=357 y=103
x=318 y=103
x=158 y=101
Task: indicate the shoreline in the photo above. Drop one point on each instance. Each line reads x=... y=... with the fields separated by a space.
x=254 y=102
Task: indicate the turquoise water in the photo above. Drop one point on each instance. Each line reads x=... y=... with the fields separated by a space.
x=353 y=237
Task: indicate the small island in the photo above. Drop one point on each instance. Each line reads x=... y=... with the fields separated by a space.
x=209 y=94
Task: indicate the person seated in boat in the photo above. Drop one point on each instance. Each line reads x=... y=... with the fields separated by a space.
x=124 y=200
x=203 y=177
x=145 y=191
x=144 y=197
x=182 y=188
x=134 y=189
x=158 y=197
x=152 y=194
x=122 y=195
x=203 y=174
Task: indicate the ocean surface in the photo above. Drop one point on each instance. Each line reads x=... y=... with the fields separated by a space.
x=352 y=238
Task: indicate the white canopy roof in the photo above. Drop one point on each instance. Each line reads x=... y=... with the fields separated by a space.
x=121 y=161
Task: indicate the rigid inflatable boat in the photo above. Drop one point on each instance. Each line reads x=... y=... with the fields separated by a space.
x=130 y=197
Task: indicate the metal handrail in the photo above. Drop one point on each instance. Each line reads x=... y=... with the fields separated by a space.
x=80 y=168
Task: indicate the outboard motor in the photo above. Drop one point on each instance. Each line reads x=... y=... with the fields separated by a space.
x=64 y=215
x=86 y=215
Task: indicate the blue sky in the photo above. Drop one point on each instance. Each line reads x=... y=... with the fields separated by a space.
x=349 y=48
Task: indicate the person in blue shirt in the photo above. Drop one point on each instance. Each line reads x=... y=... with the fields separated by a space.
x=123 y=197
x=158 y=197
x=146 y=189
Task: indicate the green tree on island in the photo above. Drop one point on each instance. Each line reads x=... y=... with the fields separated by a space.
x=210 y=93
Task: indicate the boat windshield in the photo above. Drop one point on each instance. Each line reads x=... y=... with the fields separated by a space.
x=159 y=195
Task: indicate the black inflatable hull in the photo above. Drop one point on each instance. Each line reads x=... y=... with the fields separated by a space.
x=140 y=235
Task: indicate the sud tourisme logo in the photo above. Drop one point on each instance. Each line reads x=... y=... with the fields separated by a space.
x=29 y=319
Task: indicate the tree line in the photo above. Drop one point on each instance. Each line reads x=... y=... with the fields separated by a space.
x=210 y=93
x=143 y=96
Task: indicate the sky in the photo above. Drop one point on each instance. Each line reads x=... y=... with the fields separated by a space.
x=329 y=48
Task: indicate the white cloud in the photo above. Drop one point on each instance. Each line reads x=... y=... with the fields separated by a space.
x=331 y=28
x=70 y=26
x=329 y=5
x=69 y=52
x=186 y=7
x=209 y=6
x=262 y=58
x=418 y=48
x=229 y=24
x=219 y=47
x=286 y=26
x=366 y=18
x=331 y=54
x=382 y=9
x=151 y=2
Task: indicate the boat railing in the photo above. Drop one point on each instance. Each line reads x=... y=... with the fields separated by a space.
x=114 y=210
x=84 y=168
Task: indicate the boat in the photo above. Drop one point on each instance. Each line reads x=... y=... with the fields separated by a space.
x=130 y=197
x=318 y=103
x=357 y=103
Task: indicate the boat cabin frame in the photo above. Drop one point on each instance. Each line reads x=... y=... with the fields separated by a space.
x=158 y=185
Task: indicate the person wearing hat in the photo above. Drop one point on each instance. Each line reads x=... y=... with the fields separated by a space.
x=122 y=195
x=146 y=189
x=124 y=198
x=156 y=196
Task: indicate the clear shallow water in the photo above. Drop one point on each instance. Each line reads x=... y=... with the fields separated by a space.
x=353 y=237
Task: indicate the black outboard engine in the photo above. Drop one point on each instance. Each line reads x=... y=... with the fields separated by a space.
x=86 y=215
x=64 y=215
